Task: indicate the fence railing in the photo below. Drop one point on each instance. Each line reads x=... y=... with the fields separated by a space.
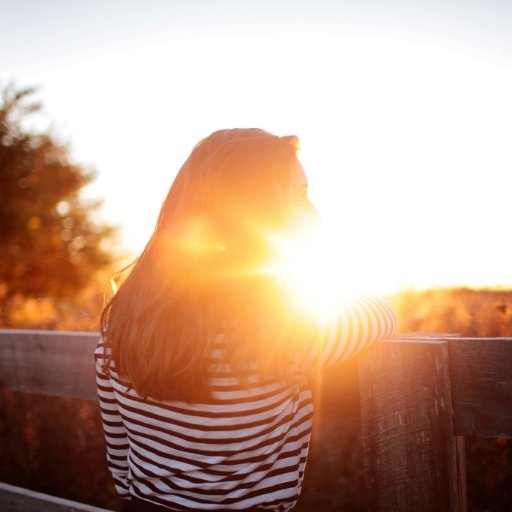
x=420 y=395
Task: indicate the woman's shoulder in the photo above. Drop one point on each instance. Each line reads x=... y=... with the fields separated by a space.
x=103 y=349
x=103 y=357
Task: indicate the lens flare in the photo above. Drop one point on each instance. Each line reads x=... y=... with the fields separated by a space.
x=309 y=264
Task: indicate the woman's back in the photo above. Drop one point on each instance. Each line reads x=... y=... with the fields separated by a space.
x=246 y=447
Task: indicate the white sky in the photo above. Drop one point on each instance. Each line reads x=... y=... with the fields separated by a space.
x=404 y=110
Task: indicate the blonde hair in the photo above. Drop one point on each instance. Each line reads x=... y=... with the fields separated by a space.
x=199 y=274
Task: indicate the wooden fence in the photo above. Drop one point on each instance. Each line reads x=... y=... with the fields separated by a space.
x=420 y=395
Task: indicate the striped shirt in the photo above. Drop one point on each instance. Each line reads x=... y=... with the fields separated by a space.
x=245 y=448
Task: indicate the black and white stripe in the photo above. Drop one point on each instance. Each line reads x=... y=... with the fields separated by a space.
x=246 y=448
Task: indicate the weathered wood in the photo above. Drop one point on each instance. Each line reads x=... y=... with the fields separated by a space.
x=48 y=362
x=461 y=469
x=481 y=378
x=410 y=451
x=16 y=499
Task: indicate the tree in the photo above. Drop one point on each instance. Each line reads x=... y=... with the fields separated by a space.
x=49 y=244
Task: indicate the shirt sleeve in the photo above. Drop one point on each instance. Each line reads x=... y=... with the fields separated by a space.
x=357 y=325
x=116 y=436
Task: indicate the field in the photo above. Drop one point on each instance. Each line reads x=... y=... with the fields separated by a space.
x=55 y=445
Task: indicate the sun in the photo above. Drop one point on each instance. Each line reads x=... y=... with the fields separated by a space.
x=309 y=265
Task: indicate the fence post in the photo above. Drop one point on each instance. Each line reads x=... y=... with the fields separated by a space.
x=410 y=450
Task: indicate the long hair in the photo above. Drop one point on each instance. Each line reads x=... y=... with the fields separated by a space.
x=202 y=272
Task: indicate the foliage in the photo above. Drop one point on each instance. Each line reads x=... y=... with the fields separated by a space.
x=50 y=245
x=470 y=313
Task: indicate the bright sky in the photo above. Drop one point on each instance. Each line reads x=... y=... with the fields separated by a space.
x=404 y=110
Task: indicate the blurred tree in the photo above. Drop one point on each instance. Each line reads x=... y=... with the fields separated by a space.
x=49 y=244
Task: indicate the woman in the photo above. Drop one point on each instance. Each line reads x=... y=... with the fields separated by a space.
x=203 y=363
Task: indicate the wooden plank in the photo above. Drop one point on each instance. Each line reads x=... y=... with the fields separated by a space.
x=17 y=499
x=481 y=377
x=410 y=452
x=461 y=469
x=48 y=362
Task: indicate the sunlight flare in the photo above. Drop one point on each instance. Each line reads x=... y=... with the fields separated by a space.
x=310 y=266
